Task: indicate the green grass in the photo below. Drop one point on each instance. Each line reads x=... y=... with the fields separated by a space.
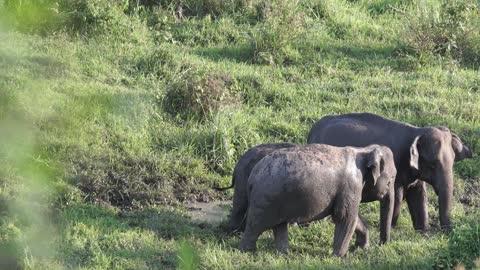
x=96 y=163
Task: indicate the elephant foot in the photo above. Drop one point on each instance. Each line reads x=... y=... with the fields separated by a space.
x=394 y=223
x=422 y=228
x=362 y=245
x=247 y=246
x=280 y=234
x=446 y=228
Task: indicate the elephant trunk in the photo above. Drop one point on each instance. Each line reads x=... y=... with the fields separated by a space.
x=444 y=190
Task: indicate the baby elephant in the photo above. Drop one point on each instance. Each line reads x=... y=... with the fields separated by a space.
x=311 y=182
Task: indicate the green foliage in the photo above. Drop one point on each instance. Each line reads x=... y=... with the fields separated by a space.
x=199 y=94
x=463 y=246
x=187 y=259
x=281 y=25
x=33 y=16
x=207 y=32
x=449 y=29
x=200 y=8
x=122 y=111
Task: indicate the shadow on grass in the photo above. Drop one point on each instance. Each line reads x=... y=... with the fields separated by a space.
x=355 y=57
x=238 y=54
x=171 y=224
x=46 y=66
x=365 y=58
x=140 y=239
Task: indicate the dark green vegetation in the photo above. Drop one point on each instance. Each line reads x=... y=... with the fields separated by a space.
x=114 y=113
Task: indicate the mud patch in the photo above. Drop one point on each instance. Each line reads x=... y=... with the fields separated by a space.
x=210 y=212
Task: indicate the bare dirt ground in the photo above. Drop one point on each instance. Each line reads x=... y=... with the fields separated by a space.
x=213 y=212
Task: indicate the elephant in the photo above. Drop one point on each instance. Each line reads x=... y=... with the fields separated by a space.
x=242 y=171
x=425 y=153
x=311 y=182
x=240 y=179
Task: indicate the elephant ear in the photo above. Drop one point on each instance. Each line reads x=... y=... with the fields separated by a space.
x=375 y=164
x=414 y=154
x=461 y=150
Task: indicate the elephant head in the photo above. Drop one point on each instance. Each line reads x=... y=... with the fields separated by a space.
x=432 y=155
x=381 y=172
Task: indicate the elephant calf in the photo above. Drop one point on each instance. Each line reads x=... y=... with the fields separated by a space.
x=311 y=182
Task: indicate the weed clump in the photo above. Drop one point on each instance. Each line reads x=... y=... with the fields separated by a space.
x=198 y=94
x=159 y=63
x=463 y=246
x=281 y=23
x=133 y=182
x=449 y=30
x=33 y=16
x=200 y=8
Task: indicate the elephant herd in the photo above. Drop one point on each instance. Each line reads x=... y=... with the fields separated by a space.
x=348 y=159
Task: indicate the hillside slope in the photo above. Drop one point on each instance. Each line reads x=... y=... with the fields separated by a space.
x=113 y=114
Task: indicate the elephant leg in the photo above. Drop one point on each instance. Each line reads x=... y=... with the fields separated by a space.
x=238 y=214
x=416 y=196
x=361 y=232
x=344 y=229
x=249 y=238
x=280 y=234
x=386 y=213
x=257 y=222
x=398 y=205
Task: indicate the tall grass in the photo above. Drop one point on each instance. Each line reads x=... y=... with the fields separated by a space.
x=114 y=114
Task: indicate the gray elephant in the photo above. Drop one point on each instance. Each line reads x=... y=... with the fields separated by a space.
x=240 y=179
x=420 y=153
x=311 y=182
x=242 y=171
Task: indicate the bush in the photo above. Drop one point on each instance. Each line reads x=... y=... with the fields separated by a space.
x=463 y=246
x=33 y=16
x=102 y=16
x=159 y=63
x=200 y=94
x=281 y=25
x=449 y=30
x=189 y=8
x=205 y=32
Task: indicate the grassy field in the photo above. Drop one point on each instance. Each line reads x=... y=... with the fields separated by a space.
x=113 y=114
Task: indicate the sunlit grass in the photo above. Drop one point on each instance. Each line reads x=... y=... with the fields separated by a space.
x=90 y=156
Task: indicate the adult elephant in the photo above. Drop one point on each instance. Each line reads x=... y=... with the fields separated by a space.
x=242 y=171
x=310 y=182
x=420 y=153
x=247 y=162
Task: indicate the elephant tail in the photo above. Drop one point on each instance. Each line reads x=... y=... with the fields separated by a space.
x=225 y=188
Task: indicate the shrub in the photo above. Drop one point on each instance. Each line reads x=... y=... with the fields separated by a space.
x=104 y=17
x=159 y=63
x=101 y=16
x=463 y=246
x=33 y=16
x=205 y=32
x=222 y=142
x=449 y=30
x=281 y=25
x=200 y=94
x=189 y=8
